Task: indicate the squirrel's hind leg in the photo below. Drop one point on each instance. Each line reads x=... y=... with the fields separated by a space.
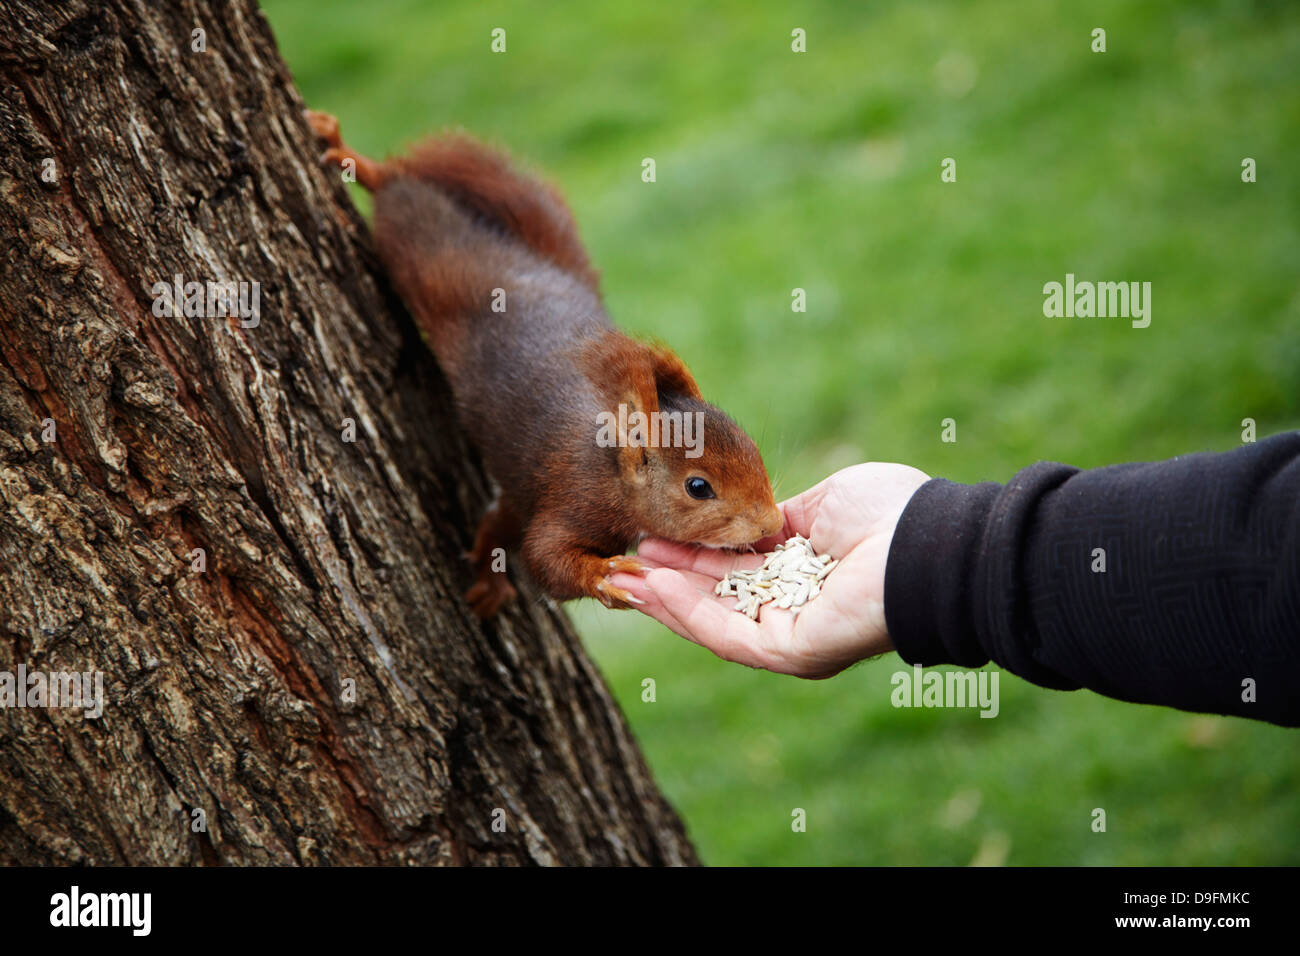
x=370 y=173
x=498 y=532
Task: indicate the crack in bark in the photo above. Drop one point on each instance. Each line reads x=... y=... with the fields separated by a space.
x=326 y=561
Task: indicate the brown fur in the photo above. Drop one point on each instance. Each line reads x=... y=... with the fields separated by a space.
x=480 y=179
x=458 y=229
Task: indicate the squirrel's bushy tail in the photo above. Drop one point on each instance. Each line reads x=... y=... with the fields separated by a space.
x=482 y=181
x=454 y=222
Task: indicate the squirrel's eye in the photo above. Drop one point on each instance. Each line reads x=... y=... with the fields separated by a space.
x=699 y=488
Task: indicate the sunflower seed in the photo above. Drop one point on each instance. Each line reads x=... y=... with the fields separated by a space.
x=789 y=577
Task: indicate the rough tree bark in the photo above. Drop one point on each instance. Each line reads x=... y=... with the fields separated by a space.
x=327 y=560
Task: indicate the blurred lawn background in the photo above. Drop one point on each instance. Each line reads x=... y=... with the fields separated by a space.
x=821 y=171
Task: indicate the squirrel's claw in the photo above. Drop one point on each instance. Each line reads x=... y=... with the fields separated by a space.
x=627 y=563
x=615 y=597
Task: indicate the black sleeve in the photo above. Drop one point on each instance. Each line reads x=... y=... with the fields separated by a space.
x=1199 y=596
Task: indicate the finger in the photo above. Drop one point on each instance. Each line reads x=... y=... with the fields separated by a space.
x=667 y=553
x=702 y=618
x=653 y=607
x=703 y=582
x=685 y=557
x=633 y=584
x=798 y=512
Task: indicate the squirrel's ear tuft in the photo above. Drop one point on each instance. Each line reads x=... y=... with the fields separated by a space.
x=671 y=373
x=618 y=364
x=653 y=371
x=634 y=374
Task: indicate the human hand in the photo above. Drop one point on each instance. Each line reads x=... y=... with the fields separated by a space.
x=851 y=516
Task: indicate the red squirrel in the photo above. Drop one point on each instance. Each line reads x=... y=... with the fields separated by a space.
x=539 y=379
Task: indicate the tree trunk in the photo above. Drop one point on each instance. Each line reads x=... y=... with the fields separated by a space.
x=274 y=604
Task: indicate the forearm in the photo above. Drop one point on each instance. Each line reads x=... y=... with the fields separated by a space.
x=1167 y=583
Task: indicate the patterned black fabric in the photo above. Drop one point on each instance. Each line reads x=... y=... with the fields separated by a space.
x=1198 y=606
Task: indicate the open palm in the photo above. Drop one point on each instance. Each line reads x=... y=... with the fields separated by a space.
x=851 y=516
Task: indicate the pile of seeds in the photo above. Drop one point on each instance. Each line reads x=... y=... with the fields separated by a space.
x=791 y=576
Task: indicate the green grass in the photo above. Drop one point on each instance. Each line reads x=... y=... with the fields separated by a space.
x=821 y=171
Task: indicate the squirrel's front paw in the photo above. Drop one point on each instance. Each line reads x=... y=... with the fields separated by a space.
x=615 y=597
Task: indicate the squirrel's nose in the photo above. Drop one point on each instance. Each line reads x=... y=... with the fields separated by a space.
x=770 y=524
